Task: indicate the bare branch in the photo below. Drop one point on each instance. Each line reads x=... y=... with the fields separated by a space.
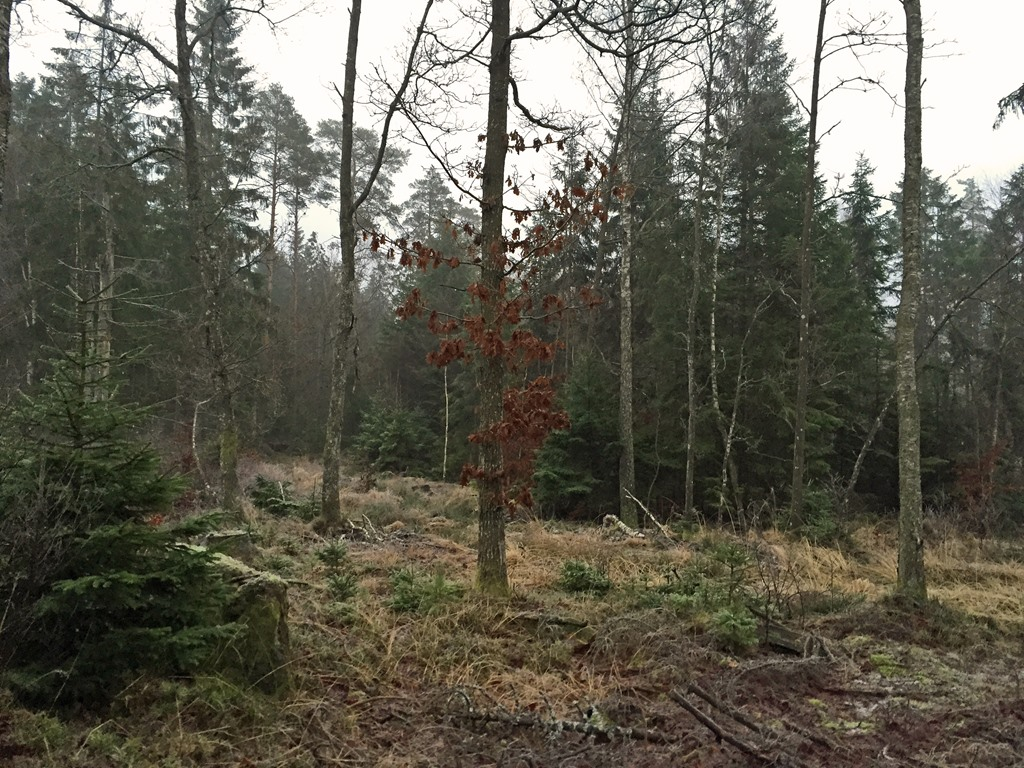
x=128 y=33
x=538 y=121
x=394 y=107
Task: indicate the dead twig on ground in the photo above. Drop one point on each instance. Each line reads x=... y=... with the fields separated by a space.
x=723 y=735
x=553 y=725
x=763 y=731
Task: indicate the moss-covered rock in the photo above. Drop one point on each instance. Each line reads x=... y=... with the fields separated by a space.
x=259 y=651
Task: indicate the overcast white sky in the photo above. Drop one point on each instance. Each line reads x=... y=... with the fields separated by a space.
x=977 y=62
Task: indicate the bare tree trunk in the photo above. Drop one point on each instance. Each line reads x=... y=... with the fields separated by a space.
x=105 y=297
x=869 y=440
x=910 y=580
x=691 y=327
x=5 y=89
x=444 y=452
x=627 y=456
x=271 y=253
x=604 y=237
x=210 y=264
x=726 y=431
x=345 y=331
x=803 y=376
x=105 y=264
x=6 y=7
x=296 y=245
x=348 y=203
x=696 y=276
x=492 y=573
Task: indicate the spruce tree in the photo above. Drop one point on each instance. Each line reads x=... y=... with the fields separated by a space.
x=102 y=587
x=757 y=320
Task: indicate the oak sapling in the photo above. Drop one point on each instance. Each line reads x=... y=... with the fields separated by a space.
x=493 y=330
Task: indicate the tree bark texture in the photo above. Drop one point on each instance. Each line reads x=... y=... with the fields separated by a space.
x=910 y=580
x=803 y=375
x=212 y=272
x=691 y=334
x=344 y=357
x=105 y=262
x=492 y=572
x=696 y=273
x=5 y=89
x=627 y=457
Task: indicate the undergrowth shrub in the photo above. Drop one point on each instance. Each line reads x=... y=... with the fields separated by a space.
x=99 y=587
x=712 y=592
x=278 y=499
x=414 y=592
x=342 y=582
x=578 y=576
x=822 y=524
x=734 y=629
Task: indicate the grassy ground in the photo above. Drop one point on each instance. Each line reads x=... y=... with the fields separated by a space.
x=609 y=653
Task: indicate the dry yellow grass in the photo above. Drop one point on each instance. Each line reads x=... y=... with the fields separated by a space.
x=981 y=577
x=362 y=668
x=302 y=472
x=963 y=572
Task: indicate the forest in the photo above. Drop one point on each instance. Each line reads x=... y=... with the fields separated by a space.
x=584 y=442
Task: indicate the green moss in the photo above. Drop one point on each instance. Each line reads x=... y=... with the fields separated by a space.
x=849 y=726
x=258 y=651
x=886 y=665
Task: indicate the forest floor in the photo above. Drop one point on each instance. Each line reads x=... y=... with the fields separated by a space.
x=662 y=667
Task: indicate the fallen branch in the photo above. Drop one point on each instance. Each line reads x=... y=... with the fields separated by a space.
x=555 y=726
x=722 y=734
x=882 y=693
x=732 y=712
x=817 y=738
x=760 y=730
x=664 y=531
x=614 y=520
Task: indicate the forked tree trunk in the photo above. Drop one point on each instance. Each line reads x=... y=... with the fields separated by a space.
x=348 y=203
x=212 y=272
x=910 y=579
